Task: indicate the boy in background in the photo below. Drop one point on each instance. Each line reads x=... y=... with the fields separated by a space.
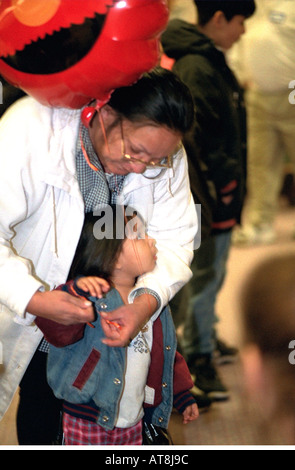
x=216 y=150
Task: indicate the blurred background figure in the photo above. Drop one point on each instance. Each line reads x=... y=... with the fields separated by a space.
x=268 y=307
x=183 y=9
x=217 y=152
x=264 y=62
x=9 y=95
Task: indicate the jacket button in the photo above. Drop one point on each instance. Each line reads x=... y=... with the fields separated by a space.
x=168 y=348
x=103 y=305
x=117 y=381
x=105 y=419
x=161 y=420
x=164 y=385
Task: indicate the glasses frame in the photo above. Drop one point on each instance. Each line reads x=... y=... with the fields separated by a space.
x=149 y=165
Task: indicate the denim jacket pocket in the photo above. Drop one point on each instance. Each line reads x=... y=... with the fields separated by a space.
x=87 y=369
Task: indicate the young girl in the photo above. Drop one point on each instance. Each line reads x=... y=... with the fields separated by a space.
x=108 y=391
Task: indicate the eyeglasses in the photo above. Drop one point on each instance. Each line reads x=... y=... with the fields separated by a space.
x=166 y=162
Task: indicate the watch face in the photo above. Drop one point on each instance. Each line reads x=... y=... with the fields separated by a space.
x=65 y=53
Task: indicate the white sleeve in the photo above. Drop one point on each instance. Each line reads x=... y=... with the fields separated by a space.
x=173 y=223
x=17 y=283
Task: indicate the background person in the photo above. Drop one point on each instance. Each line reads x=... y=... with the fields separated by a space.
x=217 y=166
x=268 y=306
x=265 y=64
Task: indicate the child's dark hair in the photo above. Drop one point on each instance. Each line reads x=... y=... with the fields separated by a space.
x=97 y=256
x=230 y=8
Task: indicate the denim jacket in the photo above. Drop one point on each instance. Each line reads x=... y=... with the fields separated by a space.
x=89 y=371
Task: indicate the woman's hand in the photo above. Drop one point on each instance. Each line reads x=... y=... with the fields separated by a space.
x=61 y=307
x=124 y=323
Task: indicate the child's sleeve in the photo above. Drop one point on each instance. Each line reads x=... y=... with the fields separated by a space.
x=57 y=334
x=182 y=384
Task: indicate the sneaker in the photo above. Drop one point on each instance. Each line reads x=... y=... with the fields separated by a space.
x=254 y=235
x=224 y=354
x=206 y=379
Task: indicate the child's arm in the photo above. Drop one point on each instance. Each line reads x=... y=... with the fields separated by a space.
x=190 y=413
x=184 y=401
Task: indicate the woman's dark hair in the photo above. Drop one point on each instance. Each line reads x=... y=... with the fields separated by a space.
x=230 y=8
x=158 y=96
x=96 y=254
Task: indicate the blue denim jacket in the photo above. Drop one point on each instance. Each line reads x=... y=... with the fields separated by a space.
x=90 y=371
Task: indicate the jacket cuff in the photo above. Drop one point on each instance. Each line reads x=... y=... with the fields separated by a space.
x=229 y=188
x=20 y=303
x=142 y=290
x=183 y=400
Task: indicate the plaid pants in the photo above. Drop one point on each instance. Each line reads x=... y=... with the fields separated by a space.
x=78 y=431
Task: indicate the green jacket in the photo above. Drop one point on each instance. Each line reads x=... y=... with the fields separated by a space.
x=216 y=146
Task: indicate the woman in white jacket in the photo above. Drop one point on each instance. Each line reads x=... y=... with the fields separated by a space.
x=44 y=193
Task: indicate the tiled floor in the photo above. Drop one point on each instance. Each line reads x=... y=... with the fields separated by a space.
x=236 y=422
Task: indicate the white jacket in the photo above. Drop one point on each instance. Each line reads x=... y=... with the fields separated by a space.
x=41 y=216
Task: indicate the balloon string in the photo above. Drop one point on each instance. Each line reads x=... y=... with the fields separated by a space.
x=103 y=130
x=93 y=167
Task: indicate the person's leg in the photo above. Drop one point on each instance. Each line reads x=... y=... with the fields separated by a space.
x=286 y=125
x=199 y=340
x=265 y=170
x=208 y=268
x=39 y=411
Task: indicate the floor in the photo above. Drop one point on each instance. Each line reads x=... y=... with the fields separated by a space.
x=238 y=421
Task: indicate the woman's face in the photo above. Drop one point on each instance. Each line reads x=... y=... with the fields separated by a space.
x=144 y=142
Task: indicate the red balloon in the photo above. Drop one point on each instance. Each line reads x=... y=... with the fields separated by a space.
x=66 y=53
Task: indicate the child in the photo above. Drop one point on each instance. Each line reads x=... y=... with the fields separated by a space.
x=104 y=388
x=217 y=164
x=268 y=308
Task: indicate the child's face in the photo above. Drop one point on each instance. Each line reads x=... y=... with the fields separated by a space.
x=138 y=256
x=231 y=31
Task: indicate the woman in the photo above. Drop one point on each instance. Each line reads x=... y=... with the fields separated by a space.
x=54 y=169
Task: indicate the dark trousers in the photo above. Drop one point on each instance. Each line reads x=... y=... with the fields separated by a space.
x=39 y=412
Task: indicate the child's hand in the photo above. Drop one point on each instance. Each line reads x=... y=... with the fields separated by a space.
x=96 y=286
x=190 y=413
